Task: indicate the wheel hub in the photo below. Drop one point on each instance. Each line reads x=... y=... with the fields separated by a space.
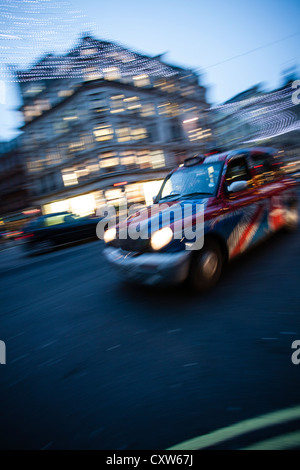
x=210 y=264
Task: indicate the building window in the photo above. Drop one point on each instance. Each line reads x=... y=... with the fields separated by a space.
x=143 y=159
x=158 y=159
x=139 y=133
x=126 y=134
x=116 y=104
x=148 y=109
x=112 y=73
x=69 y=177
x=123 y=134
x=128 y=159
x=141 y=80
x=103 y=133
x=64 y=93
x=108 y=160
x=132 y=103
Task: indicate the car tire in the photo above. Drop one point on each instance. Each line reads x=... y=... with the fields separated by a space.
x=292 y=219
x=206 y=267
x=45 y=246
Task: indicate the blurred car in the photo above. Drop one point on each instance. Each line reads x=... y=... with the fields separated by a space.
x=292 y=168
x=12 y=234
x=48 y=231
x=246 y=197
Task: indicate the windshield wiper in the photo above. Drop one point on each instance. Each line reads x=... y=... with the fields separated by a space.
x=196 y=193
x=169 y=195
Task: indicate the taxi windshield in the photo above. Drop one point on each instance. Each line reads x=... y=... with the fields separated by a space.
x=198 y=180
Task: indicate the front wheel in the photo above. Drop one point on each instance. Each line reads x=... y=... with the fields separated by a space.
x=206 y=267
x=45 y=246
x=292 y=219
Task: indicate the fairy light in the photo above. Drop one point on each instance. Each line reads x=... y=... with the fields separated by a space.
x=29 y=27
x=42 y=25
x=269 y=114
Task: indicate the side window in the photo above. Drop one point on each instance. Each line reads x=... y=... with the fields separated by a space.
x=264 y=168
x=237 y=171
x=54 y=220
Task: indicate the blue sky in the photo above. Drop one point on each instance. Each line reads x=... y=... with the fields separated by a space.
x=199 y=34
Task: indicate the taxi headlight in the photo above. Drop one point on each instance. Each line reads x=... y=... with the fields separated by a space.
x=109 y=235
x=161 y=238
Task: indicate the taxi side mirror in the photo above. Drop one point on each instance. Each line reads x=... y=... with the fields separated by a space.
x=154 y=199
x=237 y=186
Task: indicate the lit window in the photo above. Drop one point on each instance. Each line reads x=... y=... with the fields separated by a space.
x=90 y=51
x=158 y=159
x=116 y=104
x=169 y=87
x=113 y=195
x=33 y=90
x=170 y=109
x=128 y=158
x=76 y=146
x=144 y=159
x=123 y=134
x=103 y=133
x=141 y=80
x=108 y=159
x=112 y=73
x=134 y=192
x=81 y=171
x=69 y=177
x=109 y=162
x=43 y=105
x=70 y=118
x=93 y=166
x=138 y=133
x=92 y=73
x=132 y=103
x=63 y=93
x=148 y=109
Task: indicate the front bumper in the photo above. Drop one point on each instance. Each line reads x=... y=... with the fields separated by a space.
x=150 y=268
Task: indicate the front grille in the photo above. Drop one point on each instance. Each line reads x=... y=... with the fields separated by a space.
x=138 y=246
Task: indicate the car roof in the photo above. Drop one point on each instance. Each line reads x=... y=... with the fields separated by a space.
x=223 y=156
x=55 y=214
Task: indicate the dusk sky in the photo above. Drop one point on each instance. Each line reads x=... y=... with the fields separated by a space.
x=233 y=44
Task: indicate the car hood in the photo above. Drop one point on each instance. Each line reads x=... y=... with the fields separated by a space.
x=162 y=214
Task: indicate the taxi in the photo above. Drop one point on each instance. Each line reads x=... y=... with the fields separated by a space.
x=243 y=196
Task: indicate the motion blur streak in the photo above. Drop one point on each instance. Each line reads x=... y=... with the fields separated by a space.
x=287 y=441
x=243 y=427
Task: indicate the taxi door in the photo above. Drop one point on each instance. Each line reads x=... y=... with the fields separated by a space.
x=270 y=189
x=244 y=207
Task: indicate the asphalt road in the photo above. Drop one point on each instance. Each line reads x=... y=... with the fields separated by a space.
x=95 y=364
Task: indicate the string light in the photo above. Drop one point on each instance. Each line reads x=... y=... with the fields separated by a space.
x=33 y=25
x=268 y=114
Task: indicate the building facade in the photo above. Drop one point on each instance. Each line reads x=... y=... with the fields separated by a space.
x=103 y=120
x=14 y=195
x=257 y=117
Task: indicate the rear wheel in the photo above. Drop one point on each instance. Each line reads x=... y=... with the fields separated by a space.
x=206 y=266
